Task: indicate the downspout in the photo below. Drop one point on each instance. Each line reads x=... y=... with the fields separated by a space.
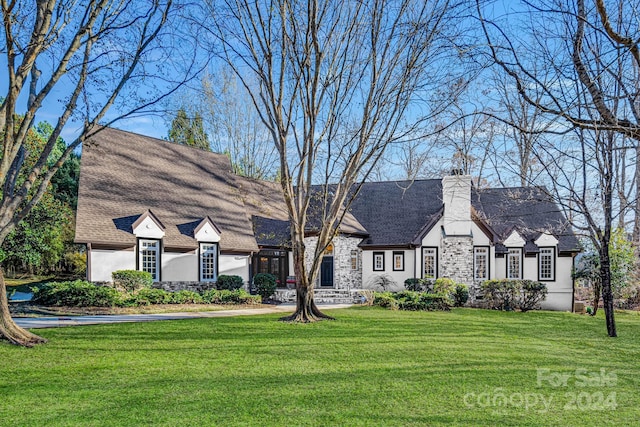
x=88 y=272
x=573 y=283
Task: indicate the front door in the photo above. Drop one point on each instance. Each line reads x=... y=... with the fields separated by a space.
x=326 y=272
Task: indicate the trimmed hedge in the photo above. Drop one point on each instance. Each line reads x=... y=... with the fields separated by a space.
x=229 y=282
x=265 y=285
x=508 y=294
x=132 y=280
x=414 y=301
x=85 y=294
x=78 y=293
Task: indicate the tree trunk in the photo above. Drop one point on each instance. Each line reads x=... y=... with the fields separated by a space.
x=8 y=328
x=306 y=309
x=597 y=290
x=607 y=292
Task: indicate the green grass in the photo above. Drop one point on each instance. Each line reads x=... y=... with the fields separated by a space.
x=369 y=367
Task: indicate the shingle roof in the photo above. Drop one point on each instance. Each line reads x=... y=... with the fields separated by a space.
x=396 y=212
x=529 y=210
x=399 y=213
x=266 y=206
x=124 y=174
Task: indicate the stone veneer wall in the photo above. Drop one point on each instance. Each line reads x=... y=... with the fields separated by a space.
x=343 y=276
x=185 y=286
x=456 y=260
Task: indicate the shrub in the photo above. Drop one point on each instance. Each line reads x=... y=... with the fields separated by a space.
x=225 y=296
x=505 y=294
x=532 y=294
x=132 y=280
x=265 y=284
x=229 y=282
x=78 y=293
x=148 y=296
x=383 y=282
x=185 y=297
x=385 y=300
x=500 y=294
x=461 y=295
x=444 y=285
x=413 y=284
x=412 y=300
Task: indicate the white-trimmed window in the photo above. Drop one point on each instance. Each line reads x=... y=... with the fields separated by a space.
x=398 y=261
x=430 y=263
x=149 y=257
x=480 y=263
x=208 y=262
x=546 y=264
x=514 y=263
x=354 y=260
x=378 y=261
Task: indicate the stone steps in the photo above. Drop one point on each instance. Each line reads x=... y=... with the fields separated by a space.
x=322 y=296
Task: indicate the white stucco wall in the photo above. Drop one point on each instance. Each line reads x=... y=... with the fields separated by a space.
x=104 y=262
x=560 y=291
x=176 y=266
x=396 y=276
x=179 y=267
x=237 y=265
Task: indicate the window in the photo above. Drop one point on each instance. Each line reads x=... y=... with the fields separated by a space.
x=546 y=264
x=481 y=263
x=149 y=256
x=378 y=261
x=208 y=262
x=430 y=257
x=514 y=263
x=354 y=260
x=398 y=261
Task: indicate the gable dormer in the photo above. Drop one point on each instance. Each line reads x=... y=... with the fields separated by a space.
x=148 y=226
x=546 y=239
x=515 y=240
x=207 y=231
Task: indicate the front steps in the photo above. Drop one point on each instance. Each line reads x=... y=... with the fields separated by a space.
x=322 y=296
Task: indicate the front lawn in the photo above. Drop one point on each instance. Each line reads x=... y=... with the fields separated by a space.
x=370 y=367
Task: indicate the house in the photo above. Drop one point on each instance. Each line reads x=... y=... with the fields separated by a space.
x=181 y=214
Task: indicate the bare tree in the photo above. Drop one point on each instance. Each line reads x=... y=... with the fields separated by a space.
x=89 y=54
x=236 y=127
x=573 y=69
x=335 y=84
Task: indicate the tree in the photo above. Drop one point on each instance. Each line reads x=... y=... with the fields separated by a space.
x=622 y=256
x=334 y=85
x=81 y=58
x=236 y=126
x=189 y=131
x=580 y=70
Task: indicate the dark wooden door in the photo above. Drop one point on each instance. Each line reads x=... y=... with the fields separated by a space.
x=326 y=272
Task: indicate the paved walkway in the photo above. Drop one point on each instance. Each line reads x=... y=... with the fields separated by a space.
x=56 y=322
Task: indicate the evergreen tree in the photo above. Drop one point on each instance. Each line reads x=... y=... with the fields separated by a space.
x=189 y=131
